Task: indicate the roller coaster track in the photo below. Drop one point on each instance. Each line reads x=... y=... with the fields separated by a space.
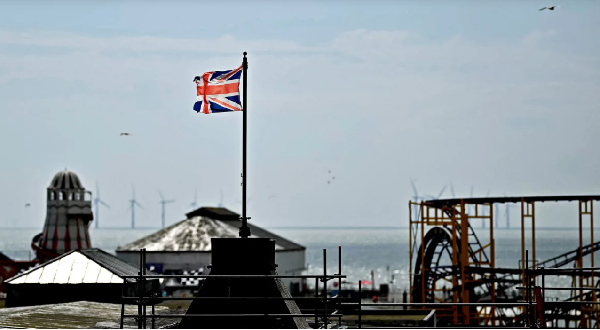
x=442 y=236
x=439 y=239
x=558 y=261
x=506 y=281
x=473 y=241
x=566 y=258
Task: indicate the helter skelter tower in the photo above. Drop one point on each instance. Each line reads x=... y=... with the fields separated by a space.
x=68 y=216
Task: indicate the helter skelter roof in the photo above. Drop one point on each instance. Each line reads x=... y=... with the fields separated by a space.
x=195 y=233
x=65 y=180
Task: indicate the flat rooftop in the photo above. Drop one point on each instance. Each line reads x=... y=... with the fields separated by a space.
x=75 y=315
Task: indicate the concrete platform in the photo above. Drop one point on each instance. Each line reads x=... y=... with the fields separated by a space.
x=75 y=315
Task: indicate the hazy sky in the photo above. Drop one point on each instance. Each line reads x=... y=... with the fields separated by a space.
x=494 y=94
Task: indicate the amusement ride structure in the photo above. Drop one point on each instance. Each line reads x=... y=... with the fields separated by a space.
x=453 y=265
x=68 y=218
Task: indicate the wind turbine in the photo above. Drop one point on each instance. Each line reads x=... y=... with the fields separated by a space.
x=485 y=211
x=133 y=203
x=439 y=195
x=194 y=204
x=416 y=199
x=507 y=207
x=507 y=214
x=221 y=200
x=471 y=196
x=497 y=214
x=97 y=202
x=416 y=210
x=164 y=202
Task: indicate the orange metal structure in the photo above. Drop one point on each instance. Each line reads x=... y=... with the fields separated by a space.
x=442 y=229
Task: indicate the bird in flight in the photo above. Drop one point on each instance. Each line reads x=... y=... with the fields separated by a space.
x=331 y=178
x=125 y=134
x=550 y=8
x=27 y=205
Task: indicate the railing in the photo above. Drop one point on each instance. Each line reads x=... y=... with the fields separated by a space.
x=322 y=315
x=586 y=300
x=327 y=308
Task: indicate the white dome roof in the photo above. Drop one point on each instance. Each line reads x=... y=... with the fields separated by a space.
x=65 y=180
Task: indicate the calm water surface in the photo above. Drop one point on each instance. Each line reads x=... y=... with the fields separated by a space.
x=383 y=250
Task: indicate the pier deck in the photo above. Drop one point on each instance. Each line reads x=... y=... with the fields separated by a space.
x=75 y=315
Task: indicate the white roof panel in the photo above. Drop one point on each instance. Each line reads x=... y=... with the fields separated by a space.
x=92 y=272
x=80 y=263
x=116 y=279
x=64 y=269
x=85 y=266
x=34 y=276
x=49 y=272
x=104 y=276
x=17 y=280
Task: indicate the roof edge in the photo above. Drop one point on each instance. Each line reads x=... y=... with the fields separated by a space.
x=31 y=270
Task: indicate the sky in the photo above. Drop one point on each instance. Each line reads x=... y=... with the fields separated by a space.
x=494 y=95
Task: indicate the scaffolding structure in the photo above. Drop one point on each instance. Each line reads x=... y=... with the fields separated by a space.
x=450 y=264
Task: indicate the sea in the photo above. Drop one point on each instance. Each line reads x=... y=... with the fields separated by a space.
x=383 y=251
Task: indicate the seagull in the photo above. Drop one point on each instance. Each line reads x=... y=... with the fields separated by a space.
x=125 y=134
x=330 y=179
x=27 y=205
x=550 y=8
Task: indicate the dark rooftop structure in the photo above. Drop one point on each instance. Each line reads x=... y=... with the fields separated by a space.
x=194 y=233
x=216 y=213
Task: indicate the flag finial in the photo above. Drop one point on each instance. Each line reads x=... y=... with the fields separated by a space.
x=245 y=54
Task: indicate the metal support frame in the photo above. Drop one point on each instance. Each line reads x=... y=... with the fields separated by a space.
x=325 y=320
x=360 y=304
x=456 y=219
x=339 y=279
x=586 y=212
x=451 y=214
x=464 y=259
x=527 y=212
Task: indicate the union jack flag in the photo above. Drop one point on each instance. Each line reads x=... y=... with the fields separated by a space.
x=218 y=91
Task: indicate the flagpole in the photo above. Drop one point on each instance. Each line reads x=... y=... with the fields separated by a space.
x=244 y=229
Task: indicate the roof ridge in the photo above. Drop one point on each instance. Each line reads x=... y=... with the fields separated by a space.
x=113 y=268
